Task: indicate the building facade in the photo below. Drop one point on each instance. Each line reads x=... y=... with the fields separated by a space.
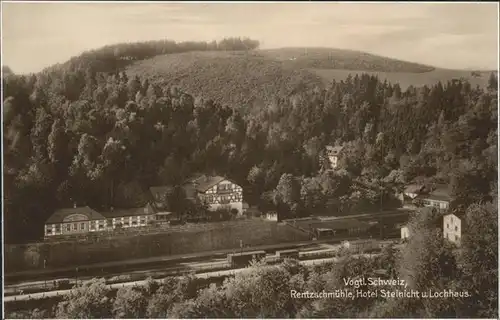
x=82 y=220
x=452 y=228
x=219 y=193
x=436 y=196
x=130 y=218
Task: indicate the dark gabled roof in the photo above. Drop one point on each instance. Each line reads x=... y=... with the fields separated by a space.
x=334 y=149
x=61 y=214
x=202 y=183
x=414 y=188
x=146 y=210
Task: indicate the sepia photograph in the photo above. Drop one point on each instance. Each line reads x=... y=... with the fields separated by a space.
x=249 y=160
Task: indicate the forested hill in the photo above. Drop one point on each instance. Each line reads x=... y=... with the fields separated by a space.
x=105 y=140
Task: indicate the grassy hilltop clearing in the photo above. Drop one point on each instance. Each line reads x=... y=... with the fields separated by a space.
x=240 y=77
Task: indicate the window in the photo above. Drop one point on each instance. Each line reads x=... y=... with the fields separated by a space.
x=68 y=227
x=75 y=226
x=126 y=223
x=447 y=226
x=49 y=231
x=82 y=226
x=134 y=223
x=456 y=228
x=58 y=228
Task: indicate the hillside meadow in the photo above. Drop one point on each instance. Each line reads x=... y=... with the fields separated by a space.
x=244 y=78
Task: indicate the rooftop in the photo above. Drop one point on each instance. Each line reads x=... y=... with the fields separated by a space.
x=129 y=212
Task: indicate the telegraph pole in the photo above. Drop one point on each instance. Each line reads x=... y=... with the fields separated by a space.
x=44 y=265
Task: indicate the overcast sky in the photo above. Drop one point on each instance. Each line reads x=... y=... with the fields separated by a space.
x=449 y=35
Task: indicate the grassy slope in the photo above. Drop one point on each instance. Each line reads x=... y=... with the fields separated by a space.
x=236 y=78
x=226 y=77
x=326 y=58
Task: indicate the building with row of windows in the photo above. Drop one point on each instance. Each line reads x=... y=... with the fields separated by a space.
x=78 y=220
x=215 y=191
x=218 y=192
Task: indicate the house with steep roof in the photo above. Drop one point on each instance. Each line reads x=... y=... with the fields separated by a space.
x=76 y=220
x=217 y=192
x=452 y=227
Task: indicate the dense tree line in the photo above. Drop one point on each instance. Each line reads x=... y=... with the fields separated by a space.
x=427 y=262
x=98 y=139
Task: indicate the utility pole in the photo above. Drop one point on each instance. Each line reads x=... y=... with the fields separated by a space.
x=44 y=265
x=76 y=276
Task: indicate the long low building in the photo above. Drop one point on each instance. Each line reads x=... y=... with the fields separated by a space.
x=79 y=220
x=75 y=220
